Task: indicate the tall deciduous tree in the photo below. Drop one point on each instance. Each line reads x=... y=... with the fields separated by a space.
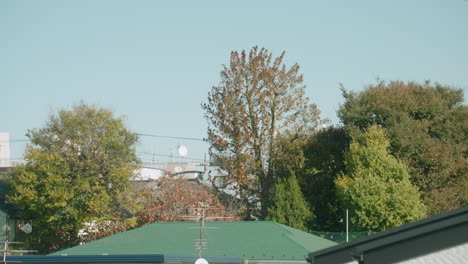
x=427 y=125
x=257 y=99
x=289 y=206
x=377 y=188
x=77 y=170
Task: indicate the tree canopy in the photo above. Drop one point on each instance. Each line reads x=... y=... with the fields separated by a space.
x=257 y=99
x=289 y=206
x=376 y=188
x=427 y=125
x=77 y=170
x=171 y=200
x=323 y=163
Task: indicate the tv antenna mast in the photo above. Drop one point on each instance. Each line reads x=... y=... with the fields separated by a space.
x=201 y=217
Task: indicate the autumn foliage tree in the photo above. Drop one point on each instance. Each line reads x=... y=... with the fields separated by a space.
x=171 y=200
x=257 y=99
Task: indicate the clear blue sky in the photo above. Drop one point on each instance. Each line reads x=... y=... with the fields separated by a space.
x=155 y=61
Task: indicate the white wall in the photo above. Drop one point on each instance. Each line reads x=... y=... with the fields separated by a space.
x=147 y=174
x=5 y=150
x=454 y=255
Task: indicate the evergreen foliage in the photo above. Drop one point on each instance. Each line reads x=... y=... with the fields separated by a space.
x=289 y=206
x=317 y=160
x=324 y=163
x=376 y=188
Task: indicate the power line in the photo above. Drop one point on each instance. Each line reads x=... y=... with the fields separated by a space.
x=138 y=134
x=11 y=159
x=161 y=136
x=15 y=141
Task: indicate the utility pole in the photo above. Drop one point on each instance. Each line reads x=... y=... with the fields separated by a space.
x=347 y=226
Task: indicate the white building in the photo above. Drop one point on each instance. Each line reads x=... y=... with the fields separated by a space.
x=184 y=170
x=5 y=161
x=147 y=174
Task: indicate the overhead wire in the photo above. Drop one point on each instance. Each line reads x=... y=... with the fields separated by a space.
x=161 y=136
x=15 y=140
x=138 y=134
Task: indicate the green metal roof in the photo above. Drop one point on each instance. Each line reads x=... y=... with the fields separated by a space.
x=247 y=240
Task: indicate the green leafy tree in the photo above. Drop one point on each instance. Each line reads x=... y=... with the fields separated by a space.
x=77 y=170
x=377 y=189
x=289 y=206
x=427 y=125
x=317 y=160
x=324 y=163
x=258 y=99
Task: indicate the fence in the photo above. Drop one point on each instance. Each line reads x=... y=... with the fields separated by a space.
x=340 y=237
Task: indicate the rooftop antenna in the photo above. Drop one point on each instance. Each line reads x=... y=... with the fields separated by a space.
x=201 y=243
x=6 y=251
